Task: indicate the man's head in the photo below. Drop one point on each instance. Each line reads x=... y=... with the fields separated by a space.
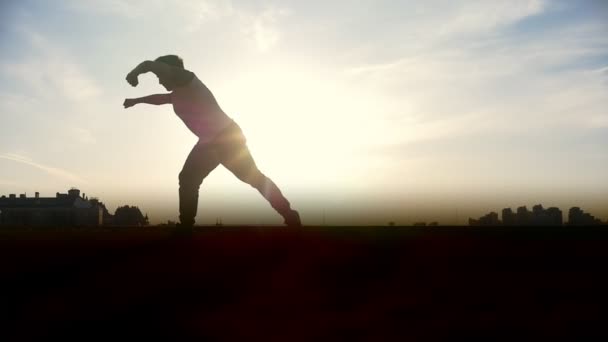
x=174 y=61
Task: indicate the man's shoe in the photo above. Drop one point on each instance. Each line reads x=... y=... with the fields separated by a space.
x=292 y=219
x=183 y=230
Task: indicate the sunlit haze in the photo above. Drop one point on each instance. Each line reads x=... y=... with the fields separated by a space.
x=363 y=112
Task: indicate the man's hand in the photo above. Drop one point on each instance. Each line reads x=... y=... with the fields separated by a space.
x=132 y=78
x=129 y=103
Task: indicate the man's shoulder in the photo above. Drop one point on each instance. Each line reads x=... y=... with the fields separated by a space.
x=184 y=78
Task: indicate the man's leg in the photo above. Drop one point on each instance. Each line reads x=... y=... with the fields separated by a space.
x=200 y=162
x=235 y=156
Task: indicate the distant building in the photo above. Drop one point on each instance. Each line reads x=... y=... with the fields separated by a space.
x=539 y=216
x=577 y=217
x=490 y=219
x=63 y=210
x=522 y=218
x=108 y=219
x=555 y=216
x=508 y=217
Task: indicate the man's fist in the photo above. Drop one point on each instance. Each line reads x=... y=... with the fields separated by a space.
x=132 y=79
x=129 y=103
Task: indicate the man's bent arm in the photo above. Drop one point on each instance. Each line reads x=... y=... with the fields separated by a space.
x=162 y=70
x=158 y=68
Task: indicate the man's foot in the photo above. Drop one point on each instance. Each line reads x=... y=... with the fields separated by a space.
x=292 y=219
x=183 y=230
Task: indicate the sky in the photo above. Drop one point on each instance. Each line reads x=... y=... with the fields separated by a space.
x=363 y=112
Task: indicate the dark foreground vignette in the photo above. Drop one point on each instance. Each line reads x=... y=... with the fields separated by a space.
x=312 y=283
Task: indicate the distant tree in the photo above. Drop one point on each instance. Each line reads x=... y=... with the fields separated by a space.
x=129 y=216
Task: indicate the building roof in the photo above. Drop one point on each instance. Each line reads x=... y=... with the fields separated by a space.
x=60 y=201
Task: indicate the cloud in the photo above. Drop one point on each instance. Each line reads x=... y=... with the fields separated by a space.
x=12 y=102
x=125 y=8
x=53 y=171
x=483 y=16
x=512 y=89
x=263 y=28
x=530 y=77
x=191 y=13
x=50 y=71
x=195 y=14
x=258 y=24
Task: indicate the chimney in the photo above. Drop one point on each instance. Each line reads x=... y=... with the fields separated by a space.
x=22 y=196
x=37 y=194
x=12 y=196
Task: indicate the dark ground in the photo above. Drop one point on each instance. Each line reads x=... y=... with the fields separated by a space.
x=307 y=284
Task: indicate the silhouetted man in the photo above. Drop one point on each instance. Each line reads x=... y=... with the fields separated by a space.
x=221 y=140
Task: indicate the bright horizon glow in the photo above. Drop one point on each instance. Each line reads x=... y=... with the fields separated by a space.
x=372 y=112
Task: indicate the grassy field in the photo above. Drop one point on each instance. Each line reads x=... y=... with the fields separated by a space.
x=329 y=283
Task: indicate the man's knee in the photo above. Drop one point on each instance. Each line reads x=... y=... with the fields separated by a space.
x=189 y=180
x=256 y=179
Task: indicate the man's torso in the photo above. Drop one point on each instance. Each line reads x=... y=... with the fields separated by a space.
x=197 y=107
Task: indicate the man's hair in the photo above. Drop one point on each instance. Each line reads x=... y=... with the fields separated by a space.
x=172 y=60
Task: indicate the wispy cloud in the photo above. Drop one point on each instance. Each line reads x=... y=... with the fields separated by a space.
x=52 y=171
x=125 y=8
x=50 y=70
x=11 y=101
x=263 y=28
x=195 y=14
x=258 y=24
x=483 y=16
x=532 y=77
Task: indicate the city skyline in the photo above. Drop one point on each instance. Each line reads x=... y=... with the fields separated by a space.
x=539 y=216
x=362 y=113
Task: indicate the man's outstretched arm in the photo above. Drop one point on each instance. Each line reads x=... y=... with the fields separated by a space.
x=156 y=99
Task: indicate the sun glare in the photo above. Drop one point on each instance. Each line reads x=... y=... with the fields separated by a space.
x=300 y=121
